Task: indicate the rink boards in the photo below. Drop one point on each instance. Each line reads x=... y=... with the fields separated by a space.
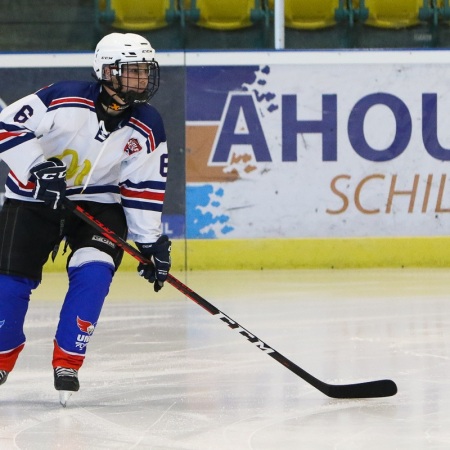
x=295 y=159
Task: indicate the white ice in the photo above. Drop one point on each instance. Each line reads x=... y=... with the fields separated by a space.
x=161 y=373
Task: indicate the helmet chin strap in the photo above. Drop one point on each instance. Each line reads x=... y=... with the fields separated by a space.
x=110 y=103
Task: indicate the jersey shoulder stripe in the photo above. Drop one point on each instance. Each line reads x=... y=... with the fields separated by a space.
x=69 y=93
x=145 y=131
x=71 y=102
x=146 y=120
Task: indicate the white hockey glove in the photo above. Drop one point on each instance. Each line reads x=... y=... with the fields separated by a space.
x=159 y=254
x=49 y=178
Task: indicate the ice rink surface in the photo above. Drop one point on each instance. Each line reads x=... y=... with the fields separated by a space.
x=162 y=373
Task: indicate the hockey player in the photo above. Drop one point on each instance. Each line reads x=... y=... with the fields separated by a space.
x=103 y=146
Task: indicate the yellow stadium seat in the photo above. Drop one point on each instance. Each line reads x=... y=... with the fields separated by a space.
x=312 y=14
x=393 y=13
x=137 y=15
x=223 y=14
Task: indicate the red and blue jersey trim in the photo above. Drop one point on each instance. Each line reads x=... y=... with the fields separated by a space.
x=78 y=94
x=146 y=131
x=14 y=185
x=147 y=195
x=11 y=136
x=71 y=102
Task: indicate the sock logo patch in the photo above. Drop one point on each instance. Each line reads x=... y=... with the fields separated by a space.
x=85 y=326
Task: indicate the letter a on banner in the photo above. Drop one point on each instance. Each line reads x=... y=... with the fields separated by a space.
x=240 y=108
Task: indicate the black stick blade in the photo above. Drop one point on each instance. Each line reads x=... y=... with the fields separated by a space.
x=370 y=389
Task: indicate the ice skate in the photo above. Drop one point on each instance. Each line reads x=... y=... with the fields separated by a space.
x=66 y=382
x=3 y=376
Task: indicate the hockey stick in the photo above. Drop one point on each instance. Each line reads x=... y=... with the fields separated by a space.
x=369 y=389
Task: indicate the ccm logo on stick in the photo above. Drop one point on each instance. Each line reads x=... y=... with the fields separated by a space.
x=253 y=339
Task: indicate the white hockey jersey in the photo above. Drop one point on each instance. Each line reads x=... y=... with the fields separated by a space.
x=127 y=165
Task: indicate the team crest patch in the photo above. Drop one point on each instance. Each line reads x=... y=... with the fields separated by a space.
x=85 y=326
x=132 y=146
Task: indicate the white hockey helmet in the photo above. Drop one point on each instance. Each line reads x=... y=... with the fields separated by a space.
x=118 y=49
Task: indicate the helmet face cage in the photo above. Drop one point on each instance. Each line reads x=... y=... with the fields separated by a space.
x=129 y=75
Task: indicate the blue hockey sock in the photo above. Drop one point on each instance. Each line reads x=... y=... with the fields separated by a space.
x=88 y=287
x=14 y=299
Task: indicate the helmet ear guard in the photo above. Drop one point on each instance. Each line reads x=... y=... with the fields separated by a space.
x=114 y=70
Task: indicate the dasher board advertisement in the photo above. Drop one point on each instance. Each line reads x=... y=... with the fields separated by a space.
x=318 y=144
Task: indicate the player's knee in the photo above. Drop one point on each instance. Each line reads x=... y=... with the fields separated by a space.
x=87 y=255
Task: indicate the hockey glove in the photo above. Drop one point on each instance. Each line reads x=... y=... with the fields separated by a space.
x=49 y=178
x=159 y=254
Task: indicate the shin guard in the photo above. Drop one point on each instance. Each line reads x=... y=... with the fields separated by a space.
x=14 y=299
x=88 y=288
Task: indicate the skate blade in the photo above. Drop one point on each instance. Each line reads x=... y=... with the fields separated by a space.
x=64 y=397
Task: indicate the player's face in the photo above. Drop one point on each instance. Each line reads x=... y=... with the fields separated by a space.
x=135 y=77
